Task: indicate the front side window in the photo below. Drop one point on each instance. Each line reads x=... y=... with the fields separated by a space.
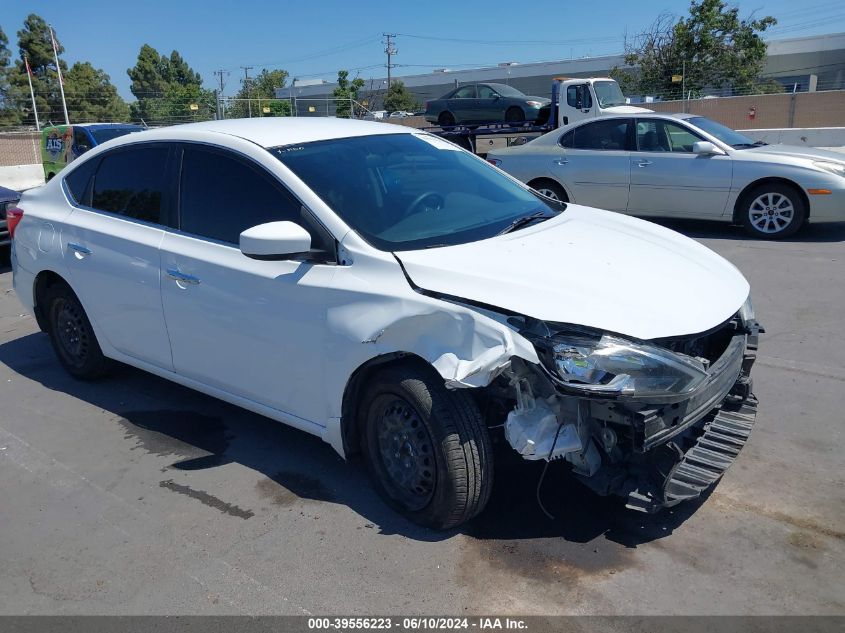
x=81 y=141
x=220 y=196
x=654 y=135
x=607 y=135
x=131 y=182
x=411 y=191
x=579 y=97
x=486 y=92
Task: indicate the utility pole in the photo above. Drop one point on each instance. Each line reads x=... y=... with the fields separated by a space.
x=220 y=74
x=248 y=91
x=390 y=49
x=684 y=83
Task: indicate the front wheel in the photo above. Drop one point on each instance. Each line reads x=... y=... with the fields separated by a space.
x=773 y=211
x=515 y=116
x=427 y=448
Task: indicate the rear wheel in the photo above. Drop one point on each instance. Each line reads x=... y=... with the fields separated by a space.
x=773 y=211
x=549 y=189
x=426 y=447
x=446 y=119
x=72 y=336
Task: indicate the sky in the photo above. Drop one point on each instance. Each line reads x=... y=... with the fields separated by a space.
x=315 y=39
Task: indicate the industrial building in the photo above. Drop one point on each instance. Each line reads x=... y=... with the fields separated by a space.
x=805 y=63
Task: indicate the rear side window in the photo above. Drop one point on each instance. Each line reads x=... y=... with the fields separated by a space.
x=600 y=135
x=78 y=182
x=467 y=92
x=220 y=196
x=131 y=182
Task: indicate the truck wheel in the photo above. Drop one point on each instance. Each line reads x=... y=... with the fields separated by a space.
x=550 y=189
x=773 y=211
x=515 y=115
x=446 y=119
x=427 y=448
x=72 y=336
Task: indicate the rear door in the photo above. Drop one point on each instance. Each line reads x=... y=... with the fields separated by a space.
x=667 y=179
x=111 y=242
x=594 y=163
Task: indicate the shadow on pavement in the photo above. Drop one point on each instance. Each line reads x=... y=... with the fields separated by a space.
x=201 y=432
x=703 y=229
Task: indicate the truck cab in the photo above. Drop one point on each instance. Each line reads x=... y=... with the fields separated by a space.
x=588 y=98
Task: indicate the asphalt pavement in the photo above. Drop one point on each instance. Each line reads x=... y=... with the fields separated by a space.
x=136 y=496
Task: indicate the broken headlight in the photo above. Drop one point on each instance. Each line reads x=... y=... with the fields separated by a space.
x=615 y=366
x=746 y=312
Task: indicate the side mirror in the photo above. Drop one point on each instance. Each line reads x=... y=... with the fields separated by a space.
x=705 y=148
x=275 y=241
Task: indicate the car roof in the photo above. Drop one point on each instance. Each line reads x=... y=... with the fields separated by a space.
x=272 y=131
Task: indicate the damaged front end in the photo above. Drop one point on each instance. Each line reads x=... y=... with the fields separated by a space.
x=655 y=422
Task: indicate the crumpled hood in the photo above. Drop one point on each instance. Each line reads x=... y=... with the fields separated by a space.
x=797 y=151
x=592 y=268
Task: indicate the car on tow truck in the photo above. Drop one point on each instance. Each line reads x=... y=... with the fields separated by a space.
x=400 y=298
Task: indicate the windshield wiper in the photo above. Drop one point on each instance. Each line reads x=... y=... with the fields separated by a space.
x=525 y=220
x=744 y=145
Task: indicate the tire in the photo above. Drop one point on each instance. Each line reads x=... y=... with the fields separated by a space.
x=446 y=119
x=515 y=116
x=72 y=336
x=550 y=189
x=773 y=211
x=441 y=472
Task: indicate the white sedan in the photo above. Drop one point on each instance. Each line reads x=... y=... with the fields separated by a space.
x=682 y=166
x=399 y=297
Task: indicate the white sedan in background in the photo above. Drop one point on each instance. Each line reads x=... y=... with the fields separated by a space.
x=682 y=166
x=398 y=297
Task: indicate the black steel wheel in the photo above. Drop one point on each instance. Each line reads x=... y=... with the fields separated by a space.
x=71 y=334
x=426 y=447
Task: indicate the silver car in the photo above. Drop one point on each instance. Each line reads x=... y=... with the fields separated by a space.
x=682 y=166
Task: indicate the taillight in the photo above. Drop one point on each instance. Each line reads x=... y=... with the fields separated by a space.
x=13 y=216
x=494 y=161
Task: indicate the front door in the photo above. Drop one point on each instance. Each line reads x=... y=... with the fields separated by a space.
x=668 y=179
x=251 y=328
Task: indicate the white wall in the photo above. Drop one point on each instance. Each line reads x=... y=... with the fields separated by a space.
x=20 y=177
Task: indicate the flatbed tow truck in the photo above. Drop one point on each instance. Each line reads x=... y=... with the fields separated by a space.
x=571 y=100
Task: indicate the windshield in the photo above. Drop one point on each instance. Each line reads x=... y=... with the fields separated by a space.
x=506 y=91
x=101 y=135
x=410 y=191
x=723 y=133
x=609 y=94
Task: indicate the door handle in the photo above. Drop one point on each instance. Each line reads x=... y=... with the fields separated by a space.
x=79 y=250
x=182 y=277
x=644 y=163
x=561 y=161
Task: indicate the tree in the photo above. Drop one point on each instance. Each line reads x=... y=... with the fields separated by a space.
x=346 y=92
x=91 y=95
x=398 y=97
x=261 y=87
x=35 y=44
x=712 y=47
x=9 y=112
x=166 y=88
